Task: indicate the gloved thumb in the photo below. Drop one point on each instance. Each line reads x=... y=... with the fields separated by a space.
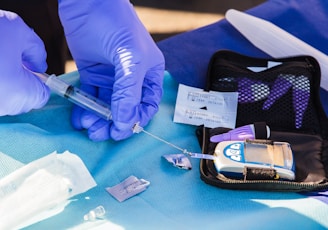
x=33 y=53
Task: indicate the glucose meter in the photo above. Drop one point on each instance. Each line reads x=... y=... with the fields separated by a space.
x=233 y=157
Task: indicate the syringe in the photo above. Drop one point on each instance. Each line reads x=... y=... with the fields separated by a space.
x=75 y=95
x=100 y=108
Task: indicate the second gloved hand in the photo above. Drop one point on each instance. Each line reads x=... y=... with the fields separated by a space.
x=118 y=62
x=20 y=47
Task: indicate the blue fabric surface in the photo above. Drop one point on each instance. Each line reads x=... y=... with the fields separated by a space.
x=175 y=199
x=187 y=55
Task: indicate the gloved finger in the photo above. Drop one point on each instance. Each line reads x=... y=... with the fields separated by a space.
x=100 y=79
x=151 y=95
x=32 y=94
x=34 y=54
x=30 y=50
x=83 y=119
x=100 y=130
x=126 y=98
x=77 y=112
x=34 y=58
x=152 y=91
x=100 y=75
x=20 y=90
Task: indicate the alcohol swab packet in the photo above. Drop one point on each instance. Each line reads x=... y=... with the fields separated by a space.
x=130 y=187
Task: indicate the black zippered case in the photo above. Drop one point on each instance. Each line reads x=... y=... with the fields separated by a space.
x=286 y=97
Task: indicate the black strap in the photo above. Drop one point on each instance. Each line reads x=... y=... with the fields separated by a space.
x=260 y=130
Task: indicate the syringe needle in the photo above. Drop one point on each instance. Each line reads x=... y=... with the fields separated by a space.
x=137 y=129
x=185 y=151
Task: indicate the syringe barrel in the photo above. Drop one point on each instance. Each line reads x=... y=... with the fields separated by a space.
x=56 y=85
x=78 y=97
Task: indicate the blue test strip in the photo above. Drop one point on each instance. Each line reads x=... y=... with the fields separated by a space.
x=202 y=156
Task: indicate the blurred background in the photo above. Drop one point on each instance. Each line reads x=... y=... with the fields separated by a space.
x=162 y=18
x=167 y=18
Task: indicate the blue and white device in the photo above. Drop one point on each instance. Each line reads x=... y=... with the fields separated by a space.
x=232 y=157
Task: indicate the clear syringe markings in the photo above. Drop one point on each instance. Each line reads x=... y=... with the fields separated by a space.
x=77 y=96
x=100 y=108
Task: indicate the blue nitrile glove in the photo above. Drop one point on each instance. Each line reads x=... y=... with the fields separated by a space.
x=20 y=90
x=118 y=62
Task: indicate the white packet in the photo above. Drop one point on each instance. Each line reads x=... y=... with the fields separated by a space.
x=40 y=186
x=195 y=106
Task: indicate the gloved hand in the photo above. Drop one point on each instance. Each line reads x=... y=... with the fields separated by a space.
x=20 y=90
x=118 y=62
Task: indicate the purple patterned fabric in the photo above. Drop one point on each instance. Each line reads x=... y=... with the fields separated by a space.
x=251 y=90
x=301 y=96
x=280 y=87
